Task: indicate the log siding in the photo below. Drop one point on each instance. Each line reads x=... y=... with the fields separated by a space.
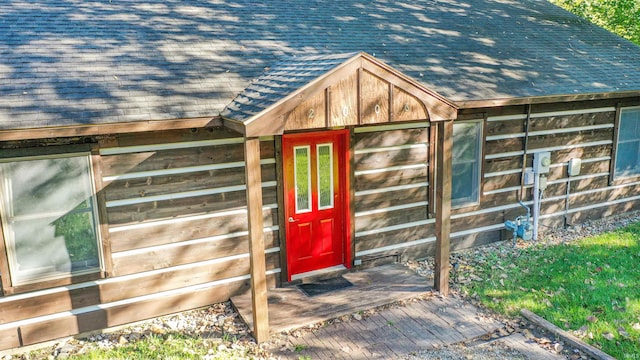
x=391 y=181
x=580 y=131
x=175 y=209
x=178 y=236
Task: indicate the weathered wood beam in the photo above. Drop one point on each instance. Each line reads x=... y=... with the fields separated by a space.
x=443 y=205
x=108 y=129
x=256 y=240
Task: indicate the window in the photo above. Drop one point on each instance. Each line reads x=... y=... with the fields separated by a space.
x=628 y=148
x=302 y=173
x=465 y=176
x=47 y=207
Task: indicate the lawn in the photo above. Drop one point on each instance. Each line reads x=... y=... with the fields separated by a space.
x=590 y=287
x=169 y=346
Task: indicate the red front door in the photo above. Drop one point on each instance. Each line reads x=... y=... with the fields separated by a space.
x=316 y=205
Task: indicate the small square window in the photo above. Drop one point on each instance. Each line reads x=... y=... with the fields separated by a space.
x=628 y=145
x=465 y=175
x=49 y=219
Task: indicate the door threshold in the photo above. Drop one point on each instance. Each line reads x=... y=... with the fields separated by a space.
x=317 y=273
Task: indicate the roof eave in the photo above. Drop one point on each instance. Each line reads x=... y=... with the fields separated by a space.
x=531 y=100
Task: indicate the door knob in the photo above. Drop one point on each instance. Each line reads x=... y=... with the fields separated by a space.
x=291 y=219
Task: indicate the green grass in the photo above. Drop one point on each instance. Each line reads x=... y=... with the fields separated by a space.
x=591 y=285
x=173 y=346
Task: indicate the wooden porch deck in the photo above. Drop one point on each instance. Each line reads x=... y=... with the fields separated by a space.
x=290 y=308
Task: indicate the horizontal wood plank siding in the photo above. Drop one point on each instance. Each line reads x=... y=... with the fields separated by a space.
x=177 y=225
x=391 y=174
x=582 y=130
x=115 y=314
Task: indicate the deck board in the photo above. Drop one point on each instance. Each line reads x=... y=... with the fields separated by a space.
x=422 y=321
x=289 y=308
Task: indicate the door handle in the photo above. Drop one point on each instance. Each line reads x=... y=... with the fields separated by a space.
x=291 y=219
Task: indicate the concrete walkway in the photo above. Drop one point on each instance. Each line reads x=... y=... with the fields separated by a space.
x=402 y=330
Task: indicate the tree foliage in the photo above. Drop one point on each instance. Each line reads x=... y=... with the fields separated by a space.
x=619 y=16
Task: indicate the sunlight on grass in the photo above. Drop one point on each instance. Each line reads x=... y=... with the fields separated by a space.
x=590 y=287
x=167 y=347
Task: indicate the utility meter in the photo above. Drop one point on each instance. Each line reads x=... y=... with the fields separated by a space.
x=541 y=162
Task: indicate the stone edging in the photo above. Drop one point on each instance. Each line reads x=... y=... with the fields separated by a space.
x=566 y=337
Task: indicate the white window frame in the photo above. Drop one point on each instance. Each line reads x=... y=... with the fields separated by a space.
x=616 y=175
x=9 y=240
x=475 y=200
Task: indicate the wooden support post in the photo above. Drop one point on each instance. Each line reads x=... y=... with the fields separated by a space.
x=443 y=205
x=256 y=240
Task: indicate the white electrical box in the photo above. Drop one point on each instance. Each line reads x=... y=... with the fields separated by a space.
x=574 y=167
x=542 y=183
x=528 y=177
x=541 y=162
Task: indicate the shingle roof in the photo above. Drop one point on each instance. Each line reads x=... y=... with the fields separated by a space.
x=280 y=81
x=66 y=62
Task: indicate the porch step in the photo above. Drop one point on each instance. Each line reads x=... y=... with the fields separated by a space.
x=290 y=309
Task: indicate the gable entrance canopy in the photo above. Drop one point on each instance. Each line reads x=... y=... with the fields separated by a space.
x=328 y=92
x=317 y=92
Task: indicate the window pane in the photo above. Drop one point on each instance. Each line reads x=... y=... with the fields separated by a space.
x=302 y=178
x=465 y=182
x=627 y=160
x=462 y=189
x=325 y=176
x=629 y=125
x=48 y=215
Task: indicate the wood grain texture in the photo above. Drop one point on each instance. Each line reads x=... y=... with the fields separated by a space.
x=394 y=237
x=108 y=129
x=380 y=139
x=385 y=159
x=256 y=241
x=374 y=95
x=310 y=114
x=443 y=206
x=166 y=233
x=406 y=107
x=126 y=313
x=391 y=178
x=391 y=198
x=149 y=212
x=390 y=218
x=343 y=102
x=112 y=291
x=9 y=339
x=185 y=254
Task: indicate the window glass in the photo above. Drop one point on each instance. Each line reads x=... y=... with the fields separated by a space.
x=628 y=146
x=465 y=175
x=47 y=210
x=325 y=176
x=302 y=178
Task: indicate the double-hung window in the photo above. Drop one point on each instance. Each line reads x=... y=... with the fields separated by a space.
x=465 y=175
x=48 y=212
x=628 y=145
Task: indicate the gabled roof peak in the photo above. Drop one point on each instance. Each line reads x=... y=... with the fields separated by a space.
x=330 y=86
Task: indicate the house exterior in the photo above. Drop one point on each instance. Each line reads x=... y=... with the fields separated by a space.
x=159 y=157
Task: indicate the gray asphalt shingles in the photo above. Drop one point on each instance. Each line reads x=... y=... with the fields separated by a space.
x=65 y=62
x=279 y=81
